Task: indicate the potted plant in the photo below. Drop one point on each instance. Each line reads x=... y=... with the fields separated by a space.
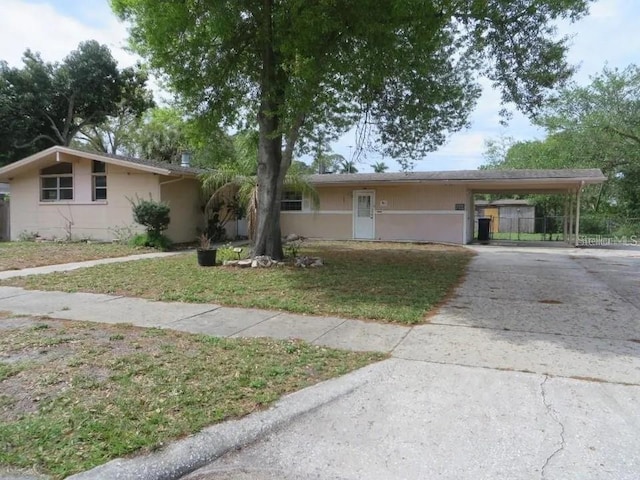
x=206 y=254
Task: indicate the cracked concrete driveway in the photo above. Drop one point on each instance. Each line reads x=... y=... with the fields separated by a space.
x=531 y=371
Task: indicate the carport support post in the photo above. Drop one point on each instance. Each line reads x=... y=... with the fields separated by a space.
x=571 y=217
x=578 y=195
x=565 y=226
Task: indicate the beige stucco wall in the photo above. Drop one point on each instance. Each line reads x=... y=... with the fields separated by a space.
x=184 y=199
x=419 y=212
x=82 y=217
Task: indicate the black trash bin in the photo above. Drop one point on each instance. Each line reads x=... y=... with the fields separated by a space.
x=484 y=229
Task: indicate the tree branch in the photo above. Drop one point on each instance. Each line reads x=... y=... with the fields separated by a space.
x=55 y=129
x=292 y=138
x=39 y=137
x=629 y=136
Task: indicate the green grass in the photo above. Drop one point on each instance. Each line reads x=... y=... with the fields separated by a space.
x=525 y=237
x=389 y=282
x=75 y=395
x=18 y=255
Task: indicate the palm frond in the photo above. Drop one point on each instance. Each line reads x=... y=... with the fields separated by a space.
x=299 y=183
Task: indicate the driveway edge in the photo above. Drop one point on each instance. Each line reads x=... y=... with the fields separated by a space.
x=193 y=452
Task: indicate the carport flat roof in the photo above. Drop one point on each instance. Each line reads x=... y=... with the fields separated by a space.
x=498 y=180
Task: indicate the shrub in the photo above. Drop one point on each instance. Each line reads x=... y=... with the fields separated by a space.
x=161 y=242
x=154 y=216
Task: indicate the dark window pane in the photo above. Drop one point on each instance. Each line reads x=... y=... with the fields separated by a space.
x=288 y=206
x=66 y=194
x=50 y=182
x=66 y=182
x=290 y=195
x=58 y=169
x=48 y=195
x=100 y=194
x=100 y=181
x=98 y=167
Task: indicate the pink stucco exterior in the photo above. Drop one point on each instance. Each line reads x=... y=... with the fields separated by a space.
x=84 y=218
x=401 y=212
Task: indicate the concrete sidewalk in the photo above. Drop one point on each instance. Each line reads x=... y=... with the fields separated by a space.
x=210 y=319
x=65 y=267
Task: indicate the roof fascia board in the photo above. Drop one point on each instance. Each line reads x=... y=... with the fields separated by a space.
x=16 y=166
x=471 y=182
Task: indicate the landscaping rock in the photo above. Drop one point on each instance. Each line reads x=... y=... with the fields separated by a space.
x=292 y=237
x=261 y=261
x=304 y=262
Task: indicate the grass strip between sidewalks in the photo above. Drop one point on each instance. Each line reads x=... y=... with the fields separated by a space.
x=74 y=395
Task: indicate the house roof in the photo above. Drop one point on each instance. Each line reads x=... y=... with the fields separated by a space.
x=590 y=175
x=503 y=202
x=151 y=166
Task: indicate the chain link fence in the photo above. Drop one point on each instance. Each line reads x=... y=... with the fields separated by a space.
x=593 y=229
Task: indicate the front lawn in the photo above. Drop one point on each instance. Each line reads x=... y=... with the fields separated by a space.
x=74 y=395
x=390 y=282
x=19 y=255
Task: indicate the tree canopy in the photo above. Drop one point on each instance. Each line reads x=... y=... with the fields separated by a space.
x=44 y=104
x=404 y=71
x=593 y=126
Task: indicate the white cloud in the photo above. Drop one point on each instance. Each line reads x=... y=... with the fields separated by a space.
x=40 y=27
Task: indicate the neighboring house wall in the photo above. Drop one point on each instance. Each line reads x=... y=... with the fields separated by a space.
x=184 y=199
x=80 y=217
x=5 y=233
x=406 y=212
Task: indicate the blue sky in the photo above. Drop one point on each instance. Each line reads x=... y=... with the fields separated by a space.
x=608 y=36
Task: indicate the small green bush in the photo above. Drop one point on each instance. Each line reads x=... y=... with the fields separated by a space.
x=154 y=216
x=160 y=242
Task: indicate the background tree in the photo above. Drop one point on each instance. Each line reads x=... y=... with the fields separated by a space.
x=404 y=69
x=594 y=126
x=379 y=167
x=116 y=134
x=325 y=161
x=348 y=166
x=44 y=104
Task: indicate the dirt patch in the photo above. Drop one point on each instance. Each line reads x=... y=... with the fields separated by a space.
x=550 y=302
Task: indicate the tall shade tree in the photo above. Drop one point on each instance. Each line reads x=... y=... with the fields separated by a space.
x=403 y=70
x=44 y=104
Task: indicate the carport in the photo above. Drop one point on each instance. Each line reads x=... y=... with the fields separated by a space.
x=566 y=182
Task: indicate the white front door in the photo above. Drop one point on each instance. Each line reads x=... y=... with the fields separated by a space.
x=363 y=219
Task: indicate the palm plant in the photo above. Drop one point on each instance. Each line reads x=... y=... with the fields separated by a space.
x=348 y=166
x=379 y=167
x=235 y=183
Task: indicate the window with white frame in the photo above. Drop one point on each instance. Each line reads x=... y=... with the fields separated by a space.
x=291 y=201
x=56 y=182
x=99 y=181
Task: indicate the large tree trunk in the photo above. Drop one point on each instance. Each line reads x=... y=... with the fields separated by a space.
x=271 y=170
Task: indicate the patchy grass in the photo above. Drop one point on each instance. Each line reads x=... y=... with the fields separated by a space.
x=75 y=395
x=18 y=255
x=390 y=282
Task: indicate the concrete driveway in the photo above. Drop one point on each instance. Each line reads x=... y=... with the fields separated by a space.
x=531 y=371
